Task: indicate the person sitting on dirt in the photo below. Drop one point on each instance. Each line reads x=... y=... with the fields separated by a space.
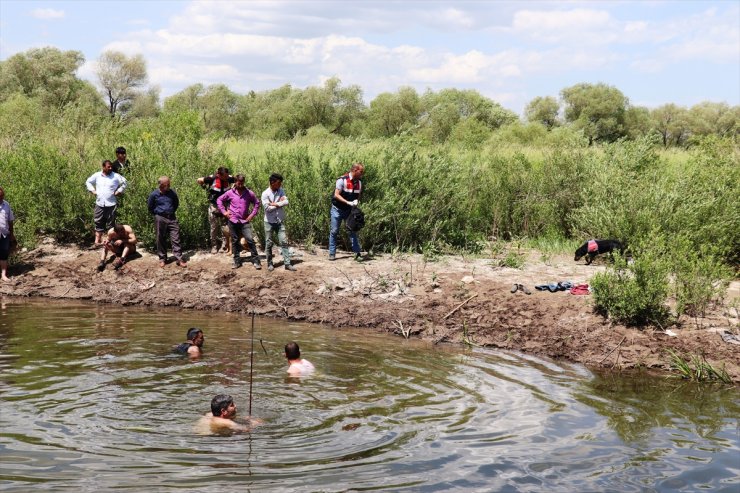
x=193 y=347
x=296 y=365
x=106 y=185
x=221 y=417
x=218 y=184
x=7 y=238
x=347 y=194
x=121 y=242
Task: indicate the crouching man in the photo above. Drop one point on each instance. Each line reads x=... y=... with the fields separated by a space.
x=121 y=242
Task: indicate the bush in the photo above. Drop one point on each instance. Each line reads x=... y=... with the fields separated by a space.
x=636 y=293
x=699 y=276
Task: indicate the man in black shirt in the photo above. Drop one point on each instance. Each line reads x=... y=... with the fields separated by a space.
x=217 y=184
x=121 y=161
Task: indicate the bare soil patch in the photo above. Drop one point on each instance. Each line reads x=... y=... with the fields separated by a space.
x=452 y=300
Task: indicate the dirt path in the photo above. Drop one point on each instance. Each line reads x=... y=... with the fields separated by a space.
x=451 y=300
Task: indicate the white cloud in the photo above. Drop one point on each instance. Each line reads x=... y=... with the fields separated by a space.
x=47 y=14
x=553 y=26
x=497 y=48
x=710 y=36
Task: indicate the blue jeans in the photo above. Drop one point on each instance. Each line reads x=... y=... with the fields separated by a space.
x=279 y=228
x=337 y=216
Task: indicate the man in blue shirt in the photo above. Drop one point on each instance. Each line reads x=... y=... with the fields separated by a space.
x=163 y=203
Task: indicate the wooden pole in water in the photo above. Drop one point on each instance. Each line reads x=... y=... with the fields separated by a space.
x=251 y=366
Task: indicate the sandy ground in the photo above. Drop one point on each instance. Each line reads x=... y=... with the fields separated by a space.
x=451 y=300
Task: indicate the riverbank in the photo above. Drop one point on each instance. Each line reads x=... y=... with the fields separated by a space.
x=452 y=299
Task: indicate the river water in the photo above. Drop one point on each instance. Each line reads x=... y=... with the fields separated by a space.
x=93 y=400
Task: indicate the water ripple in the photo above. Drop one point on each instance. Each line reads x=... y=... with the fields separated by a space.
x=93 y=400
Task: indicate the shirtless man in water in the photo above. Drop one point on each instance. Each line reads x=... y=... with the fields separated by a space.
x=296 y=365
x=221 y=417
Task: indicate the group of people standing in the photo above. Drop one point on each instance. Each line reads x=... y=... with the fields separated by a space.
x=231 y=204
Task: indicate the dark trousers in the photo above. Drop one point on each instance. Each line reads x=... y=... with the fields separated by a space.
x=163 y=228
x=245 y=230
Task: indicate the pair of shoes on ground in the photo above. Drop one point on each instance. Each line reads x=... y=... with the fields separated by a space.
x=289 y=267
x=520 y=287
x=239 y=263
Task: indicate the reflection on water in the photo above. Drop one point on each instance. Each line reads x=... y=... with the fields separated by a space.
x=93 y=400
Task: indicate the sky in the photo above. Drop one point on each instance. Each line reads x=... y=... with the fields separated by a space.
x=655 y=52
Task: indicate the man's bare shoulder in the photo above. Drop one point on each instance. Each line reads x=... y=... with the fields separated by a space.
x=210 y=424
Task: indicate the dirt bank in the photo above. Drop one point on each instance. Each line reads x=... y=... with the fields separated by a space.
x=452 y=300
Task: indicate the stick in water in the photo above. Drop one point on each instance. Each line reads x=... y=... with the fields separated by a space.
x=251 y=365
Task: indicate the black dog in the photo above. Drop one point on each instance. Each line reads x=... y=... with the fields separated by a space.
x=592 y=248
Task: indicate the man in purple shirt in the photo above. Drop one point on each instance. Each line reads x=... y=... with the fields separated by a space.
x=235 y=206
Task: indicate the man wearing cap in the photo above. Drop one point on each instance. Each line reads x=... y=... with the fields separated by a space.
x=106 y=185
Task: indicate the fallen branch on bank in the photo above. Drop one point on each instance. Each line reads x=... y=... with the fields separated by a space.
x=458 y=307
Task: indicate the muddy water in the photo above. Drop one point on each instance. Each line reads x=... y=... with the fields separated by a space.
x=91 y=400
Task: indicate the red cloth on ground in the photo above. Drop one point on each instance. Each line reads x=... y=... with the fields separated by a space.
x=580 y=289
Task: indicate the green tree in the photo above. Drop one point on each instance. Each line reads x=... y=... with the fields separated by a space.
x=274 y=113
x=598 y=110
x=672 y=124
x=222 y=111
x=637 y=122
x=145 y=105
x=707 y=118
x=121 y=78
x=330 y=105
x=390 y=114
x=443 y=110
x=543 y=110
x=187 y=99
x=44 y=73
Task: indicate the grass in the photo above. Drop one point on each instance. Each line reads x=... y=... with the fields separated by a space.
x=697 y=368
